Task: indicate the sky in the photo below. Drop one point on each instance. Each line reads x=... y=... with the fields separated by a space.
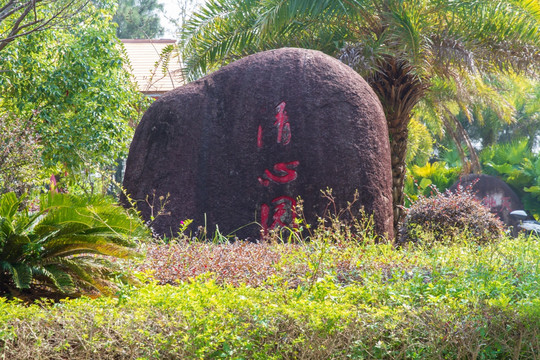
x=172 y=9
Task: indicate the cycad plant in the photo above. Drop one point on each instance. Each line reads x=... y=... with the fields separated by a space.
x=67 y=248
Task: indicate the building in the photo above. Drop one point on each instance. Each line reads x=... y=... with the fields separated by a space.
x=155 y=65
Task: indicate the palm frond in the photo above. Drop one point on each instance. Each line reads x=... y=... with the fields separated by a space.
x=6 y=228
x=22 y=275
x=25 y=223
x=14 y=247
x=504 y=35
x=531 y=7
x=65 y=244
x=9 y=204
x=91 y=272
x=407 y=33
x=85 y=245
x=57 y=277
x=216 y=33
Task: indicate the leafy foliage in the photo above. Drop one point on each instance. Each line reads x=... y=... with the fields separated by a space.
x=421 y=180
x=19 y=18
x=63 y=247
x=19 y=155
x=446 y=216
x=420 y=143
x=519 y=167
x=523 y=94
x=70 y=85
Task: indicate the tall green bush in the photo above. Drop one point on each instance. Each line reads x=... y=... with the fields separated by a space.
x=67 y=92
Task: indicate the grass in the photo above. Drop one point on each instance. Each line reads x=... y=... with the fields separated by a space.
x=317 y=300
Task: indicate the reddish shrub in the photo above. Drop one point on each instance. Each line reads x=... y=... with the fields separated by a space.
x=240 y=262
x=449 y=216
x=263 y=264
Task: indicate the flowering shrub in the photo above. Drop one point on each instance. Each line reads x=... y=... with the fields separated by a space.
x=448 y=215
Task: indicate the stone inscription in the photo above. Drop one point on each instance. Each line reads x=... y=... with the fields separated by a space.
x=279 y=212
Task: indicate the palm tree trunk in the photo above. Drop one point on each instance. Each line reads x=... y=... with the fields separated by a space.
x=399 y=90
x=398 y=150
x=476 y=168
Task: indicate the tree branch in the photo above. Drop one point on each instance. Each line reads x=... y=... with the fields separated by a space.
x=37 y=24
x=4 y=13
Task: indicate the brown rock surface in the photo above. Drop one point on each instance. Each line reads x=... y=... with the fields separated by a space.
x=238 y=146
x=494 y=194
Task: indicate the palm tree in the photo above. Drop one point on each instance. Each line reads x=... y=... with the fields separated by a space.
x=398 y=46
x=524 y=96
x=440 y=108
x=65 y=248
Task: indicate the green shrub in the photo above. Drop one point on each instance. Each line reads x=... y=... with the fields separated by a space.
x=421 y=179
x=448 y=215
x=67 y=247
x=460 y=301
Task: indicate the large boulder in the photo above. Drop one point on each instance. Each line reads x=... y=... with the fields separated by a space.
x=495 y=194
x=236 y=148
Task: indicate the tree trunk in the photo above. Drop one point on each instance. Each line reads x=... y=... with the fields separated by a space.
x=399 y=90
x=476 y=168
x=398 y=150
x=448 y=127
x=460 y=134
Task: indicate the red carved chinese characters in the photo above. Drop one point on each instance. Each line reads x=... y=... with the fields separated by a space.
x=494 y=201
x=286 y=173
x=265 y=212
x=284 y=213
x=282 y=124
x=282 y=210
x=259 y=137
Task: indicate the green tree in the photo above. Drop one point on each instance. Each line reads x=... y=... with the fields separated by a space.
x=138 y=19
x=448 y=102
x=19 y=18
x=185 y=9
x=70 y=87
x=523 y=94
x=398 y=46
x=19 y=155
